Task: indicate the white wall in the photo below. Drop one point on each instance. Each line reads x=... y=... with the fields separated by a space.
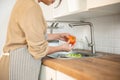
x=5 y=9
x=107 y=33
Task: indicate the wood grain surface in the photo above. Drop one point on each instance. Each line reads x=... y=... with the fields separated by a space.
x=92 y=68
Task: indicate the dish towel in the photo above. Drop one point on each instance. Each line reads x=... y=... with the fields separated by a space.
x=23 y=66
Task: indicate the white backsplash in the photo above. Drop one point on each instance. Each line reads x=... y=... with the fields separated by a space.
x=106 y=29
x=107 y=33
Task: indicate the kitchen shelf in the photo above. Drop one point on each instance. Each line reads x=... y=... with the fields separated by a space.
x=90 y=13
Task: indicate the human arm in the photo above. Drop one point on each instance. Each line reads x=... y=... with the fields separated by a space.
x=64 y=47
x=58 y=36
x=32 y=24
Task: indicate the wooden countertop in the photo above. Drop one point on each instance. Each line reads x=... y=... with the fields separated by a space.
x=92 y=68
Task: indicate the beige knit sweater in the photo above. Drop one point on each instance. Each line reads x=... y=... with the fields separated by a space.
x=27 y=27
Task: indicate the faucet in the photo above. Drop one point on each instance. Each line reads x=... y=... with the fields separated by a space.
x=92 y=43
x=79 y=23
x=53 y=26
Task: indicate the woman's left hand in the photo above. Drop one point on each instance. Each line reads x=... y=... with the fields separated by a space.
x=58 y=36
x=63 y=36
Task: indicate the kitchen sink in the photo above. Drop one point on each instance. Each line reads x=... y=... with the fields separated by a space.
x=72 y=54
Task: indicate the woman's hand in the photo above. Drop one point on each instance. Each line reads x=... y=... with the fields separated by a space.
x=66 y=47
x=63 y=36
x=58 y=36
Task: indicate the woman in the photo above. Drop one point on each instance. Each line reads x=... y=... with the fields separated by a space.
x=26 y=42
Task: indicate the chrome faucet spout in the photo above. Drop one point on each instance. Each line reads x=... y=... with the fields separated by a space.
x=92 y=43
x=92 y=38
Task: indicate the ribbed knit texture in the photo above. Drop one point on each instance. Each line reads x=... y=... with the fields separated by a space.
x=23 y=66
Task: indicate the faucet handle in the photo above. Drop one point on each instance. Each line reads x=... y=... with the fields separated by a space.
x=87 y=39
x=89 y=44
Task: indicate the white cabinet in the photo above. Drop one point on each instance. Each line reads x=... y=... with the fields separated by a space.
x=76 y=10
x=62 y=76
x=48 y=73
x=77 y=5
x=61 y=10
x=69 y=6
x=66 y=7
x=99 y=3
x=50 y=12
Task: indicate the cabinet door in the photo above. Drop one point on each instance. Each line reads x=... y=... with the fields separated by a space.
x=62 y=76
x=47 y=73
x=61 y=10
x=77 y=5
x=69 y=6
x=66 y=7
x=99 y=3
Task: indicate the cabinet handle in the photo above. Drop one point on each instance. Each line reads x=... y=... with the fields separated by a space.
x=58 y=4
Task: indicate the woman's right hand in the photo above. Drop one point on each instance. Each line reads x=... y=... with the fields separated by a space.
x=64 y=47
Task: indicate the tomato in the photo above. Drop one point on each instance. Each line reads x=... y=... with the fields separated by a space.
x=72 y=39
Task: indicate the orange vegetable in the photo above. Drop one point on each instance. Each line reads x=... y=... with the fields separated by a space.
x=71 y=39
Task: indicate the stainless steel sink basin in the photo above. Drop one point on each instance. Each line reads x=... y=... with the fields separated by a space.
x=63 y=55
